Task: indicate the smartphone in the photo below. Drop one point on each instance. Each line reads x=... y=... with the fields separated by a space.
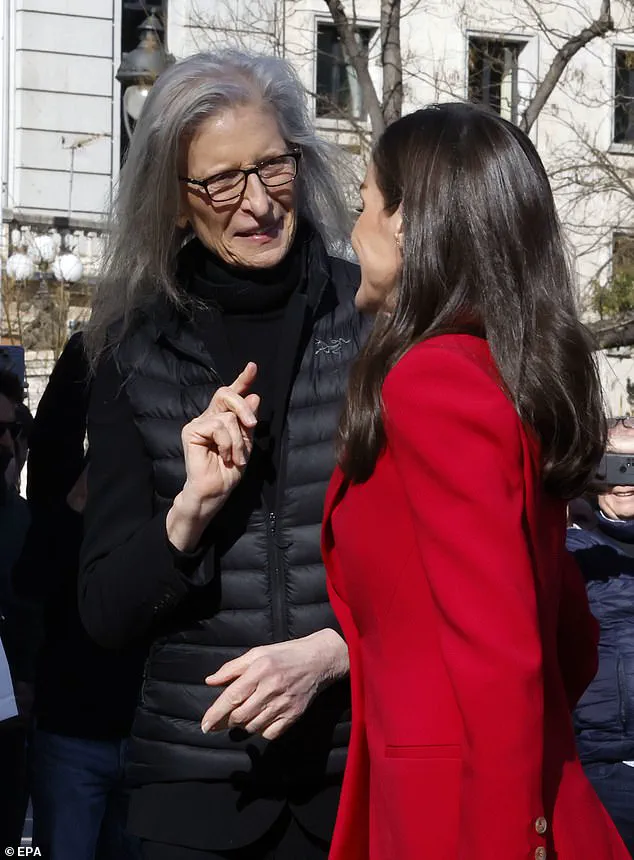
x=616 y=470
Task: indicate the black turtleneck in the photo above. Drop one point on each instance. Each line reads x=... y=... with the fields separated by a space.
x=250 y=315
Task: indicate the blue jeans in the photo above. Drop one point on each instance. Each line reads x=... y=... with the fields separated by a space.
x=80 y=804
x=614 y=783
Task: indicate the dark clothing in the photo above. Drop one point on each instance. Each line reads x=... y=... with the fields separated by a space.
x=14 y=793
x=14 y=525
x=79 y=800
x=57 y=437
x=205 y=814
x=604 y=720
x=260 y=320
x=257 y=577
x=286 y=840
x=82 y=690
x=614 y=783
x=19 y=618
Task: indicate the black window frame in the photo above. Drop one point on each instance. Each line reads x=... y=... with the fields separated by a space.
x=623 y=130
x=484 y=84
x=333 y=98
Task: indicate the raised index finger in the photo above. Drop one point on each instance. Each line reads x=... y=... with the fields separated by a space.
x=243 y=382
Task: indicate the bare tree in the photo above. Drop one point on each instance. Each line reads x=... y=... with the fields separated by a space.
x=386 y=109
x=597 y=29
x=391 y=60
x=357 y=58
x=588 y=178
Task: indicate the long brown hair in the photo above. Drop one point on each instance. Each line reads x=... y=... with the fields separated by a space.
x=482 y=248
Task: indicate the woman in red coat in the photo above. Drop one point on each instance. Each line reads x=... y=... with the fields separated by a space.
x=473 y=413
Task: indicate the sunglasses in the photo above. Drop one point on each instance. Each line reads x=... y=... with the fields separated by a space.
x=626 y=422
x=14 y=428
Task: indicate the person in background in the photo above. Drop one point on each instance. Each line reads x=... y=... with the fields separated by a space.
x=14 y=523
x=15 y=518
x=474 y=411
x=601 y=537
x=222 y=333
x=13 y=389
x=24 y=418
x=11 y=759
x=85 y=695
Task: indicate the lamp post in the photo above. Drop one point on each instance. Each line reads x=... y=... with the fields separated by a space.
x=141 y=67
x=41 y=258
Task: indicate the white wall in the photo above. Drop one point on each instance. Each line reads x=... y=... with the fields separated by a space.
x=66 y=101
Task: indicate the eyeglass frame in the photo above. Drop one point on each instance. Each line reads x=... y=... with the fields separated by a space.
x=626 y=420
x=295 y=154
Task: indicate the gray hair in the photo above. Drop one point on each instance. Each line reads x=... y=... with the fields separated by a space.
x=143 y=236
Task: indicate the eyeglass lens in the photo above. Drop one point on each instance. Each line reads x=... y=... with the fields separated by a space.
x=277 y=171
x=627 y=421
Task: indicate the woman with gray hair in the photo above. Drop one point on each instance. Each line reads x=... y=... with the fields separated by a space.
x=221 y=338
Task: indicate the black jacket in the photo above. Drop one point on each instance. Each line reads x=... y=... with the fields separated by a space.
x=81 y=689
x=604 y=719
x=258 y=578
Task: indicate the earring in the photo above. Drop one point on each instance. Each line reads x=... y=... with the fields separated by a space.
x=398 y=240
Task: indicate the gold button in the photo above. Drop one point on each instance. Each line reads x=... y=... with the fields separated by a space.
x=540 y=853
x=541 y=825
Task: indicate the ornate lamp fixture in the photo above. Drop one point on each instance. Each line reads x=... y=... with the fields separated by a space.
x=141 y=67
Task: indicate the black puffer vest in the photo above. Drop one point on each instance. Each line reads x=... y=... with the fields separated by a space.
x=262 y=580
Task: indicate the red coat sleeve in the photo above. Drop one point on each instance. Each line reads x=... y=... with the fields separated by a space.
x=455 y=439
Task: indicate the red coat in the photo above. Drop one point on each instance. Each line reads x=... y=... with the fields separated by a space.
x=469 y=632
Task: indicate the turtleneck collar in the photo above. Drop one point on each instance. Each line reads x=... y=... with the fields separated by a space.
x=622 y=530
x=236 y=289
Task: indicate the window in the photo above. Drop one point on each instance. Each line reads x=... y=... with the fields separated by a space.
x=338 y=92
x=623 y=258
x=617 y=295
x=624 y=97
x=493 y=74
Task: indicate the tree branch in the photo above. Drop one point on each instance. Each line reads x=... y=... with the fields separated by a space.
x=391 y=60
x=355 y=55
x=597 y=29
x=609 y=334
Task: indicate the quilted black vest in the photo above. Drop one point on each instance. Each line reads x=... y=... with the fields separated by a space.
x=268 y=582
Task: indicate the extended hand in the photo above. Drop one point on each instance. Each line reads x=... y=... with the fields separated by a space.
x=271 y=686
x=217 y=447
x=218 y=443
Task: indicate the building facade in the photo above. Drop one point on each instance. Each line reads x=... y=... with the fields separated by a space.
x=62 y=122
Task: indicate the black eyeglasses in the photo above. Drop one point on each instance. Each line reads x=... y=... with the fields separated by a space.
x=625 y=421
x=227 y=186
x=13 y=427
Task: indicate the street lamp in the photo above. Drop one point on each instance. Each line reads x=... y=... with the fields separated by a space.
x=20 y=267
x=141 y=67
x=67 y=268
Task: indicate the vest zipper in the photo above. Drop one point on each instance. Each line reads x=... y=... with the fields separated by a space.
x=276 y=567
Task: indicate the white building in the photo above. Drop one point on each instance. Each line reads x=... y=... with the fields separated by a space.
x=61 y=104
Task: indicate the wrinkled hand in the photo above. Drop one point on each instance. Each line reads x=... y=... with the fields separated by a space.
x=217 y=447
x=218 y=444
x=270 y=687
